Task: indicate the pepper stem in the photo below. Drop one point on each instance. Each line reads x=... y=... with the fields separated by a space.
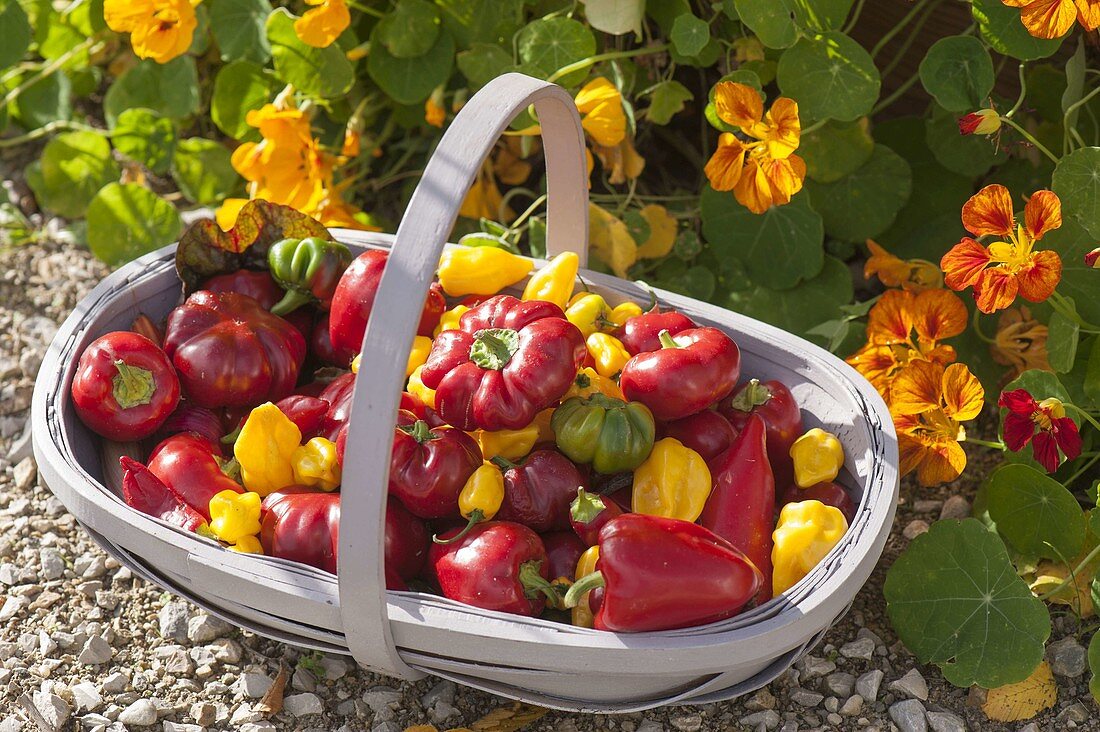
x=582 y=381
x=476 y=516
x=753 y=395
x=419 y=431
x=666 y=340
x=583 y=586
x=533 y=582
x=586 y=507
x=292 y=300
x=232 y=436
x=133 y=385
x=502 y=462
x=493 y=348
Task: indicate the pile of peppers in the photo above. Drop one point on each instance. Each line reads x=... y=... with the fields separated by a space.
x=554 y=454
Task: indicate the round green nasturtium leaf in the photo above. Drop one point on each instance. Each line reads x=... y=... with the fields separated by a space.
x=955 y=600
x=836 y=149
x=411 y=80
x=778 y=248
x=798 y=309
x=958 y=72
x=969 y=155
x=616 y=17
x=44 y=101
x=830 y=76
x=483 y=62
x=1034 y=513
x=240 y=29
x=1062 y=337
x=864 y=203
x=203 y=171
x=72 y=168
x=128 y=220
x=16 y=31
x=771 y=20
x=482 y=21
x=822 y=15
x=411 y=29
x=666 y=100
x=1076 y=180
x=172 y=89
x=690 y=34
x=239 y=88
x=1079 y=281
x=146 y=137
x=322 y=72
x=548 y=44
x=1000 y=26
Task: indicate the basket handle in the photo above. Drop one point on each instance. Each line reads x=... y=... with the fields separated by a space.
x=402 y=290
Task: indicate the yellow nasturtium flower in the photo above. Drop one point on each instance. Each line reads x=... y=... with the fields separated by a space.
x=434 y=113
x=322 y=25
x=159 y=29
x=601 y=106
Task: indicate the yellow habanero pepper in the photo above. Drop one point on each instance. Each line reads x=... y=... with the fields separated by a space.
x=315 y=464
x=480 y=498
x=265 y=449
x=422 y=346
x=591 y=313
x=234 y=516
x=355 y=363
x=417 y=389
x=608 y=352
x=806 y=531
x=582 y=613
x=542 y=424
x=818 y=457
x=673 y=482
x=449 y=319
x=554 y=282
x=480 y=270
x=588 y=382
x=247 y=545
x=508 y=444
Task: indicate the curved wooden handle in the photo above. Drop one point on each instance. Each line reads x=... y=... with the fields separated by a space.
x=413 y=260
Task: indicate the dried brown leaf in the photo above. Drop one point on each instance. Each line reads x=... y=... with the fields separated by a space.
x=272 y=703
x=510 y=718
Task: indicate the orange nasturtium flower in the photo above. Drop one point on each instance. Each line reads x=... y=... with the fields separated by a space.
x=1054 y=18
x=159 y=29
x=434 y=113
x=929 y=404
x=914 y=275
x=759 y=165
x=1020 y=342
x=904 y=328
x=1010 y=265
x=320 y=26
x=604 y=120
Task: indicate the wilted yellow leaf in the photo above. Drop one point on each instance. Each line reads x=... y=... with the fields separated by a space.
x=422 y=728
x=662 y=232
x=509 y=719
x=622 y=162
x=1048 y=575
x=611 y=240
x=1023 y=700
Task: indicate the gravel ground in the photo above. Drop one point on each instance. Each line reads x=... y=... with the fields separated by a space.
x=85 y=645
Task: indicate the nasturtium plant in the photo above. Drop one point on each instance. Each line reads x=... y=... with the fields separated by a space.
x=126 y=220
x=1035 y=514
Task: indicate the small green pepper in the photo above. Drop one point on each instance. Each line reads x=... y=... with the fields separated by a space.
x=308 y=269
x=610 y=434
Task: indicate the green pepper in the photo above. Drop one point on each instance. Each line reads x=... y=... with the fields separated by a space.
x=308 y=269
x=610 y=434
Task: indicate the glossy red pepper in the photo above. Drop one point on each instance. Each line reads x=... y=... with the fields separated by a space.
x=338 y=394
x=145 y=492
x=538 y=490
x=354 y=298
x=229 y=351
x=192 y=418
x=588 y=513
x=306 y=412
x=257 y=284
x=429 y=467
x=659 y=574
x=707 y=433
x=303 y=525
x=406 y=545
x=507 y=361
x=640 y=334
x=741 y=506
x=775 y=404
x=189 y=465
x=691 y=371
x=320 y=345
x=124 y=387
x=831 y=494
x=563 y=549
x=498 y=565
x=408 y=402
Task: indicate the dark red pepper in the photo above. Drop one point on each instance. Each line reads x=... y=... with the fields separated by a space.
x=302 y=525
x=320 y=345
x=640 y=334
x=741 y=506
x=588 y=514
x=691 y=371
x=563 y=549
x=191 y=467
x=338 y=394
x=406 y=545
x=775 y=404
x=659 y=574
x=306 y=412
x=257 y=284
x=429 y=467
x=831 y=494
x=707 y=433
x=538 y=490
x=145 y=492
x=192 y=418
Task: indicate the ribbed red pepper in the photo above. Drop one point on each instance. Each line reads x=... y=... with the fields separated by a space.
x=429 y=467
x=775 y=404
x=145 y=492
x=640 y=334
x=189 y=465
x=707 y=432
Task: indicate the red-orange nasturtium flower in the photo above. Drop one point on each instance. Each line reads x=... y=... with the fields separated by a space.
x=1054 y=18
x=982 y=122
x=758 y=164
x=929 y=404
x=1042 y=423
x=1092 y=259
x=1009 y=266
x=914 y=275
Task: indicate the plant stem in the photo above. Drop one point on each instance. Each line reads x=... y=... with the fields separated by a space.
x=897 y=94
x=1087 y=417
x=854 y=18
x=985 y=443
x=1030 y=138
x=815 y=126
x=1082 y=470
x=43 y=131
x=584 y=63
x=1023 y=91
x=48 y=69
x=917 y=7
x=1072 y=579
x=978 y=328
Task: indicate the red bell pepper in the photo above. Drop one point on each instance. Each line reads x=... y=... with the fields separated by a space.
x=354 y=298
x=409 y=403
x=741 y=506
x=687 y=374
x=777 y=407
x=191 y=467
x=507 y=361
x=257 y=284
x=640 y=334
x=406 y=545
x=192 y=418
x=306 y=412
x=707 y=433
x=588 y=513
x=660 y=573
x=538 y=490
x=429 y=467
x=124 y=387
x=145 y=492
x=498 y=565
x=831 y=494
x=563 y=549
x=303 y=525
x=320 y=345
x=229 y=351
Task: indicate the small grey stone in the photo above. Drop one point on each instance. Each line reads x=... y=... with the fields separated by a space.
x=86 y=696
x=1067 y=657
x=141 y=713
x=204 y=628
x=768 y=717
x=114 y=683
x=912 y=686
x=831 y=704
x=303 y=680
x=260 y=726
x=52 y=708
x=11 y=724
x=180 y=727
x=51 y=564
x=9 y=574
x=1029 y=727
x=97 y=721
x=24 y=473
x=11 y=607
x=302 y=704
x=203 y=713
x=254 y=685
x=386 y=726
x=813 y=667
x=172 y=619
x=868 y=684
x=178 y=663
x=96 y=651
x=758 y=702
x=687 y=722
x=244 y=714
x=915 y=528
x=853 y=706
x=955 y=507
x=840 y=684
x=202 y=655
x=335 y=668
x=381 y=697
x=805 y=697
x=443 y=691
x=946 y=722
x=226 y=650
x=442 y=711
x=862 y=648
x=1076 y=712
x=648 y=725
x=909 y=716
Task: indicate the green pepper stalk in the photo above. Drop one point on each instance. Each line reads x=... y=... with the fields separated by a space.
x=308 y=269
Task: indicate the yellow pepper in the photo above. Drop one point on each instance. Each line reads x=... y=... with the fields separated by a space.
x=508 y=444
x=806 y=531
x=818 y=457
x=265 y=450
x=608 y=352
x=588 y=382
x=247 y=545
x=591 y=313
x=417 y=389
x=355 y=363
x=234 y=516
x=582 y=614
x=449 y=319
x=315 y=464
x=422 y=346
x=480 y=270
x=554 y=282
x=542 y=424
x=673 y=482
x=480 y=498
